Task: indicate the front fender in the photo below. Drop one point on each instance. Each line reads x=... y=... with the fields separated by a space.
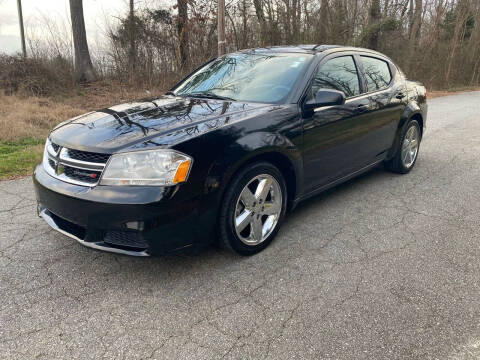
x=247 y=148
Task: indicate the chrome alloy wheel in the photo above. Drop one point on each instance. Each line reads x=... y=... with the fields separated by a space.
x=410 y=147
x=258 y=209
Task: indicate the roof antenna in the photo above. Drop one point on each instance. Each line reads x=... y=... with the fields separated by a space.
x=316 y=46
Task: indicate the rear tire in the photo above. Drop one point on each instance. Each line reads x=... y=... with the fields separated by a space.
x=406 y=153
x=253 y=209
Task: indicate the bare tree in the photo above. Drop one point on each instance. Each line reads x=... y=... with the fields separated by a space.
x=373 y=29
x=132 y=50
x=83 y=64
x=416 y=23
x=221 y=27
x=434 y=41
x=322 y=26
x=461 y=17
x=261 y=20
x=244 y=11
x=182 y=22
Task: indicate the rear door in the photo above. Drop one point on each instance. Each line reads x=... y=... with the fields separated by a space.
x=387 y=100
x=336 y=138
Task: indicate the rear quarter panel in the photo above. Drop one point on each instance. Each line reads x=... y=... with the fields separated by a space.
x=416 y=106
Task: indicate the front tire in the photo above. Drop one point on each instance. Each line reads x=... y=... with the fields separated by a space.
x=253 y=209
x=407 y=152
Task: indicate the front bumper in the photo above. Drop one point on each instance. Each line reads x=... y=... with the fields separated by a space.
x=139 y=221
x=59 y=225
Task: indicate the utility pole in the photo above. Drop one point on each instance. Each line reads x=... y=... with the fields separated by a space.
x=221 y=27
x=22 y=32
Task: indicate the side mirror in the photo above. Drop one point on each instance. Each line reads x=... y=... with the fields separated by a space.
x=326 y=97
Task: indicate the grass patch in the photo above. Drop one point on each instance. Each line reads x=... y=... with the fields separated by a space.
x=27 y=121
x=17 y=158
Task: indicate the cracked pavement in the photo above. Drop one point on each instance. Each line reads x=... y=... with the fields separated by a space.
x=383 y=267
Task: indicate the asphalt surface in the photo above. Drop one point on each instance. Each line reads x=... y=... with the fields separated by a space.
x=383 y=267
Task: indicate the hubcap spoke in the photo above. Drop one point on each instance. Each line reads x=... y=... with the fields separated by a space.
x=242 y=220
x=413 y=144
x=247 y=197
x=411 y=133
x=263 y=188
x=257 y=228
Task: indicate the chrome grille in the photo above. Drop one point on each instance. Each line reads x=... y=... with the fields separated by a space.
x=87 y=176
x=74 y=166
x=52 y=163
x=88 y=156
x=55 y=147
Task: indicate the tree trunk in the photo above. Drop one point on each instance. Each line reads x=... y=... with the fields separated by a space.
x=132 y=50
x=293 y=38
x=182 y=33
x=410 y=18
x=414 y=34
x=234 y=28
x=244 y=21
x=221 y=27
x=322 y=27
x=261 y=20
x=83 y=64
x=374 y=17
x=459 y=23
x=417 y=20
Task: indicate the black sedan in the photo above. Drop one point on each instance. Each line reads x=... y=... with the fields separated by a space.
x=229 y=150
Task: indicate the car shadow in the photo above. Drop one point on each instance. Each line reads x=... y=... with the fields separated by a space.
x=207 y=253
x=208 y=265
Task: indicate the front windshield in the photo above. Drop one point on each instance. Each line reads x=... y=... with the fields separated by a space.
x=258 y=77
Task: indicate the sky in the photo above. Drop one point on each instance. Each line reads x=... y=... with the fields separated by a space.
x=38 y=13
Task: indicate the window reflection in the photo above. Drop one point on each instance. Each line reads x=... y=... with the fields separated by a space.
x=263 y=77
x=377 y=73
x=339 y=74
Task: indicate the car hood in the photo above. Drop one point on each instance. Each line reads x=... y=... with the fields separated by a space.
x=163 y=121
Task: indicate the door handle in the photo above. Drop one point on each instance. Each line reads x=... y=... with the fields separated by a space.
x=400 y=95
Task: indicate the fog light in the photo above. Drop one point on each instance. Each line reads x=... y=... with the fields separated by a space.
x=135 y=225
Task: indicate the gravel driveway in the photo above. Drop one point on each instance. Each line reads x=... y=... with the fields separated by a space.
x=382 y=267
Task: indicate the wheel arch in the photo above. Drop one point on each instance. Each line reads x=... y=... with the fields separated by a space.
x=281 y=162
x=412 y=111
x=280 y=152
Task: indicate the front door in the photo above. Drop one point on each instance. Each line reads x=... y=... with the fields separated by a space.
x=336 y=137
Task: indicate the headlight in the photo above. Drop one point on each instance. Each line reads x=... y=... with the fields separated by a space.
x=152 y=167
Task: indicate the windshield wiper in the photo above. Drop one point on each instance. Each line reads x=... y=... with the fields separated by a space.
x=208 y=95
x=170 y=93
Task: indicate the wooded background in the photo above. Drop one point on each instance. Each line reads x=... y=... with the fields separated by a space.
x=433 y=41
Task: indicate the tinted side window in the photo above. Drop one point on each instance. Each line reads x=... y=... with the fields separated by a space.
x=339 y=74
x=377 y=73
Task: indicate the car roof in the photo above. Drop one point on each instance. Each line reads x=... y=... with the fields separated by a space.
x=308 y=49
